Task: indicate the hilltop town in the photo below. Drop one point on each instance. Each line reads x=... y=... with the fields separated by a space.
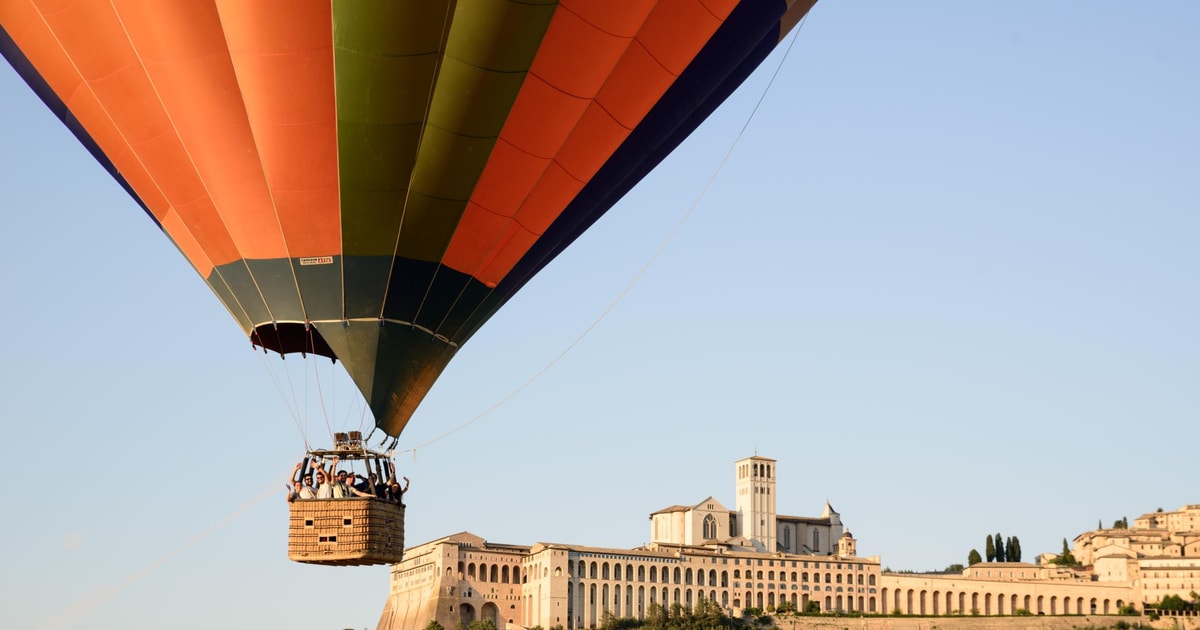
x=752 y=557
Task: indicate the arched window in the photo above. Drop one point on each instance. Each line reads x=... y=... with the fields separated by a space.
x=653 y=574
x=593 y=571
x=710 y=527
x=604 y=571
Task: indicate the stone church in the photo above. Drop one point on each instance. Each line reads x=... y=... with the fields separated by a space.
x=749 y=556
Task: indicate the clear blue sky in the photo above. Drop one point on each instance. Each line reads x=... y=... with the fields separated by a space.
x=949 y=279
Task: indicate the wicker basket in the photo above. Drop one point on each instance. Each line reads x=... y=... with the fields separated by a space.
x=346 y=532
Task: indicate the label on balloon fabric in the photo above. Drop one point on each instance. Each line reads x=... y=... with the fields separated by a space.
x=317 y=260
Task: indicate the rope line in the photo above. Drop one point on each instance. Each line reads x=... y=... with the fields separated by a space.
x=82 y=607
x=282 y=396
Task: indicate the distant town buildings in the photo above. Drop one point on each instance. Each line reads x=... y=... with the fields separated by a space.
x=751 y=556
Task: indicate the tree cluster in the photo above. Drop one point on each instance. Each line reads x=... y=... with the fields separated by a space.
x=707 y=615
x=1179 y=604
x=998 y=550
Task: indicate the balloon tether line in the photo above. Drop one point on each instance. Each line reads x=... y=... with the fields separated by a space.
x=638 y=276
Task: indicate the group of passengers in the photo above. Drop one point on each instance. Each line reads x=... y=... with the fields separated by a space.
x=344 y=484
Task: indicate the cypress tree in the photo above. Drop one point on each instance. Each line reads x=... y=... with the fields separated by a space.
x=1000 y=557
x=990 y=549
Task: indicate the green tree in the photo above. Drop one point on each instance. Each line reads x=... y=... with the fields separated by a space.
x=1065 y=558
x=955 y=568
x=1172 y=602
x=812 y=607
x=482 y=624
x=1014 y=549
x=656 y=616
x=973 y=558
x=433 y=625
x=1000 y=556
x=990 y=548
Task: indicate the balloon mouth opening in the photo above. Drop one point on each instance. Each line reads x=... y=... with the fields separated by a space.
x=288 y=338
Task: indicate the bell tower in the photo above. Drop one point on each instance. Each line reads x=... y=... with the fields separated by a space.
x=756 y=501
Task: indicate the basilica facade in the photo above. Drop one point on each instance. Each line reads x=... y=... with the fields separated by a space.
x=748 y=556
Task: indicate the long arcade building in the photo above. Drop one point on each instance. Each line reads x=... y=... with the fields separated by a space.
x=746 y=557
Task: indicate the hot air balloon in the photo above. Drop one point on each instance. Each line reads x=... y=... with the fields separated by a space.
x=370 y=180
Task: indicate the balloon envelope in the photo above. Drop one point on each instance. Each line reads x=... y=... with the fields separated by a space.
x=370 y=180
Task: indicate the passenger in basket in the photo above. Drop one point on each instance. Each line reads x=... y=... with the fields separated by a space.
x=380 y=488
x=363 y=488
x=325 y=480
x=340 y=489
x=343 y=490
x=395 y=492
x=301 y=488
